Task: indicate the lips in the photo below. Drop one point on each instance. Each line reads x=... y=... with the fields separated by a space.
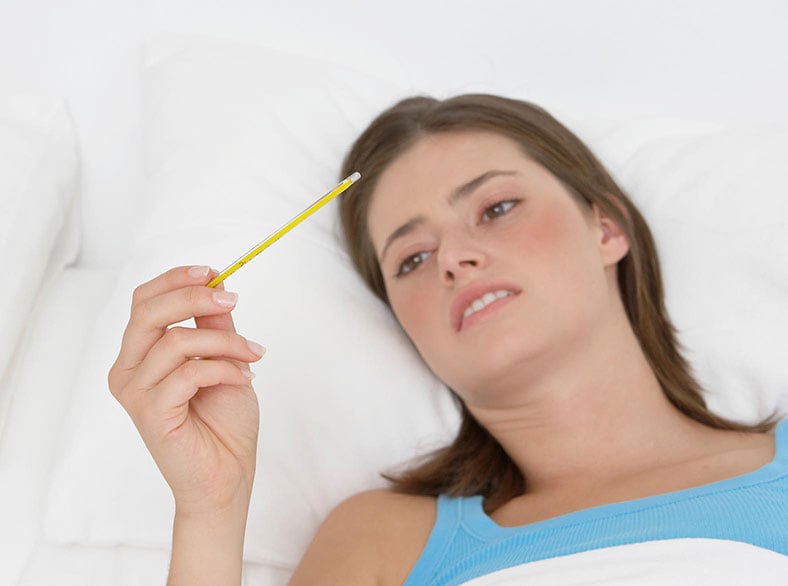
x=472 y=292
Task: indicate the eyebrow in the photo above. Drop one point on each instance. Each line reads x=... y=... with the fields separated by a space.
x=460 y=193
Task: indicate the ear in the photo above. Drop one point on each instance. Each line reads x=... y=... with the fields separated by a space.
x=613 y=242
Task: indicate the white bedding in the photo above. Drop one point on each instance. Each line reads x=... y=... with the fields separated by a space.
x=39 y=184
x=678 y=562
x=40 y=390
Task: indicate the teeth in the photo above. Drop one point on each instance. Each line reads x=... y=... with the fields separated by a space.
x=489 y=298
x=484 y=301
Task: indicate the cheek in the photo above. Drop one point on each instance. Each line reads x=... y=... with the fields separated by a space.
x=557 y=252
x=412 y=310
x=572 y=274
x=545 y=236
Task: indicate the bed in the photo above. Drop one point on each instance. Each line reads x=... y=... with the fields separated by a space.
x=144 y=135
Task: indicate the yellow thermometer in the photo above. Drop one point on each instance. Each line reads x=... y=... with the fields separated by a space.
x=343 y=185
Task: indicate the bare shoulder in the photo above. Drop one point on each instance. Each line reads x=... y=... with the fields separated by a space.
x=372 y=538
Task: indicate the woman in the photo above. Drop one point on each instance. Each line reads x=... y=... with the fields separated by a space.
x=529 y=283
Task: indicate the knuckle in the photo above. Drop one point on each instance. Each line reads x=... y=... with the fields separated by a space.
x=176 y=336
x=138 y=295
x=112 y=381
x=119 y=386
x=191 y=369
x=140 y=311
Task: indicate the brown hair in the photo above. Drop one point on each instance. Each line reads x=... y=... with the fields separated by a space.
x=475 y=463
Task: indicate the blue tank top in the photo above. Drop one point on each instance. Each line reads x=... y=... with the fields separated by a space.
x=466 y=543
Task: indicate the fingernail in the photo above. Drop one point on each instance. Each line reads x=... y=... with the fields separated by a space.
x=256 y=348
x=199 y=272
x=225 y=298
x=248 y=373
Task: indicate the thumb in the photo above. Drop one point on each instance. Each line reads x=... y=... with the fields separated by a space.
x=223 y=321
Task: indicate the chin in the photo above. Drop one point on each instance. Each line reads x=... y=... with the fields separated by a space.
x=485 y=363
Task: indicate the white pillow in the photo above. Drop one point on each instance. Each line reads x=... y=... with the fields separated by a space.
x=237 y=147
x=240 y=138
x=717 y=204
x=249 y=133
x=39 y=231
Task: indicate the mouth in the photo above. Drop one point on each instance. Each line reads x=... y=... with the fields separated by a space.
x=477 y=301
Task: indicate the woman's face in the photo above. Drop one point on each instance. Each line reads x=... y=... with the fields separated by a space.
x=492 y=268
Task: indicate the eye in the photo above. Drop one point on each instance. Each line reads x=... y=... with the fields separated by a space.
x=412 y=263
x=499 y=209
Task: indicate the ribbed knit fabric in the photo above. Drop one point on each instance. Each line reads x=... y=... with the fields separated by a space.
x=752 y=508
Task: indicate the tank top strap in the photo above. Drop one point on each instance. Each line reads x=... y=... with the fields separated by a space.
x=448 y=521
x=781 y=442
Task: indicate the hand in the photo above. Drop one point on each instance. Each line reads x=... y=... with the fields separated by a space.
x=188 y=390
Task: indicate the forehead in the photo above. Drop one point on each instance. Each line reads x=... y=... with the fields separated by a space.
x=429 y=170
x=445 y=159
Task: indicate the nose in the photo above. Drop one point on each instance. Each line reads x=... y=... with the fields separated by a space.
x=459 y=256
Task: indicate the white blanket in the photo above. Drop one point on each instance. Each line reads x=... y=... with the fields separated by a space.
x=696 y=562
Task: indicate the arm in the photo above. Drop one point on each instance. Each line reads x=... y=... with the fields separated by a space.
x=198 y=418
x=207 y=548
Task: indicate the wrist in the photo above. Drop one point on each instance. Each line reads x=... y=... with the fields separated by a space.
x=227 y=511
x=227 y=504
x=208 y=545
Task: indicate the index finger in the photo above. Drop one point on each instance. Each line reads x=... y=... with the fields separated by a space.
x=165 y=290
x=171 y=280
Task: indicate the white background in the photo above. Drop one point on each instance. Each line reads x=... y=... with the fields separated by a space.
x=710 y=59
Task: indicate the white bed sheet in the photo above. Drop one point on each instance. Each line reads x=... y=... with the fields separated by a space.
x=679 y=562
x=40 y=386
x=76 y=565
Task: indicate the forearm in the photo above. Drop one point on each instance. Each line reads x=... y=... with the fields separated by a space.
x=207 y=548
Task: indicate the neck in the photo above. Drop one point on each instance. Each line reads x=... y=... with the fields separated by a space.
x=596 y=413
